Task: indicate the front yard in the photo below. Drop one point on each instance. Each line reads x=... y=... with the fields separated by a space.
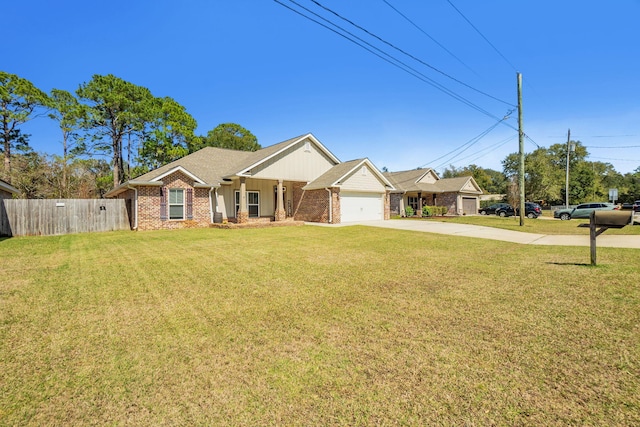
x=315 y=326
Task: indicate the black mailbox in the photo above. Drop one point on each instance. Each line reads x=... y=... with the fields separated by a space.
x=612 y=219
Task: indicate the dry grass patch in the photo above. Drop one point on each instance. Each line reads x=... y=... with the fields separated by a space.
x=315 y=326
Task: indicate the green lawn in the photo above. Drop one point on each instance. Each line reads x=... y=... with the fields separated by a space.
x=315 y=326
x=540 y=225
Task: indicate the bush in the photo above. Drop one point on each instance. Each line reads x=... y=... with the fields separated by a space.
x=434 y=210
x=409 y=211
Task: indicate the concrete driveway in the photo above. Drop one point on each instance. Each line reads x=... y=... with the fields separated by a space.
x=482 y=232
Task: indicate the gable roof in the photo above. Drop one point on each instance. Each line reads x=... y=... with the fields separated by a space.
x=258 y=157
x=4 y=185
x=409 y=181
x=335 y=176
x=458 y=185
x=207 y=166
x=210 y=166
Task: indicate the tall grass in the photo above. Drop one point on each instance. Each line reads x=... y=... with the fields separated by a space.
x=315 y=326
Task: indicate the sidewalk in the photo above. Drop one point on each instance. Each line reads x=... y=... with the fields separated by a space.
x=604 y=240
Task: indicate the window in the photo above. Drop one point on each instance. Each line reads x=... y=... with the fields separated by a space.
x=253 y=203
x=413 y=202
x=176 y=203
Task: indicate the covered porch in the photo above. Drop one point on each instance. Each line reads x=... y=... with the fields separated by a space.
x=243 y=199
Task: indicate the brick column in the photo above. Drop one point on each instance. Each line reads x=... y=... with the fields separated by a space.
x=243 y=214
x=387 y=205
x=280 y=214
x=419 y=213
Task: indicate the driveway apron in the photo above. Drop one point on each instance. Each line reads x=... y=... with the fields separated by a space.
x=491 y=233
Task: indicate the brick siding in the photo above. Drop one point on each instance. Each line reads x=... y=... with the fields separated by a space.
x=395 y=200
x=310 y=205
x=149 y=199
x=449 y=200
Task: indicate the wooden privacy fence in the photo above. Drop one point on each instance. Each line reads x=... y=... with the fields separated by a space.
x=27 y=217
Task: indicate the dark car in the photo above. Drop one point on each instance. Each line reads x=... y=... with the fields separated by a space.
x=636 y=206
x=490 y=210
x=531 y=210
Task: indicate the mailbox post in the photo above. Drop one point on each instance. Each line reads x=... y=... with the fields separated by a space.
x=601 y=221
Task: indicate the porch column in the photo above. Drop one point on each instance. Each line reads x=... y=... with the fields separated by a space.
x=419 y=213
x=243 y=214
x=280 y=214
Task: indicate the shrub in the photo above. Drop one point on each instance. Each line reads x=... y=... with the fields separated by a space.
x=409 y=211
x=434 y=210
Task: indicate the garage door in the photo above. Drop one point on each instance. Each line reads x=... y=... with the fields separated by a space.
x=360 y=206
x=469 y=206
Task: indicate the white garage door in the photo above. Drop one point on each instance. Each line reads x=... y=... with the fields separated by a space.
x=360 y=206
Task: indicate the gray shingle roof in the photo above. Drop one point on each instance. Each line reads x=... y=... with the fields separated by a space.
x=329 y=178
x=210 y=164
x=4 y=185
x=405 y=181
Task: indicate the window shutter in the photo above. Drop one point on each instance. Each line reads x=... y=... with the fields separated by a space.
x=189 y=203
x=164 y=194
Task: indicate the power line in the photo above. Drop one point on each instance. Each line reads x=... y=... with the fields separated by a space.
x=461 y=149
x=531 y=140
x=592 y=136
x=428 y=35
x=487 y=150
x=466 y=146
x=617 y=160
x=481 y=35
x=621 y=147
x=399 y=64
x=405 y=53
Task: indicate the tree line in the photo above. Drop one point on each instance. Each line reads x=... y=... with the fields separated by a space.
x=545 y=177
x=111 y=130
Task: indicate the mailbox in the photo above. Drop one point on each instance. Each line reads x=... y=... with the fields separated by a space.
x=601 y=221
x=612 y=219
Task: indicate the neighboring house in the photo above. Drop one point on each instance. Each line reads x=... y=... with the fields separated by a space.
x=423 y=187
x=7 y=191
x=297 y=179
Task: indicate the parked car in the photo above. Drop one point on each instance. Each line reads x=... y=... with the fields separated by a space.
x=583 y=210
x=531 y=210
x=636 y=206
x=490 y=210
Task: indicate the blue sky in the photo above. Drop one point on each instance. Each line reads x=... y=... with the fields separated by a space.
x=258 y=64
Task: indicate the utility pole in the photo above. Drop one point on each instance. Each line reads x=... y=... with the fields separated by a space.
x=566 y=188
x=521 y=151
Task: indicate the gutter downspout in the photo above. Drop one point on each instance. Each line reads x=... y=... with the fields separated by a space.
x=330 y=205
x=211 y=204
x=135 y=204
